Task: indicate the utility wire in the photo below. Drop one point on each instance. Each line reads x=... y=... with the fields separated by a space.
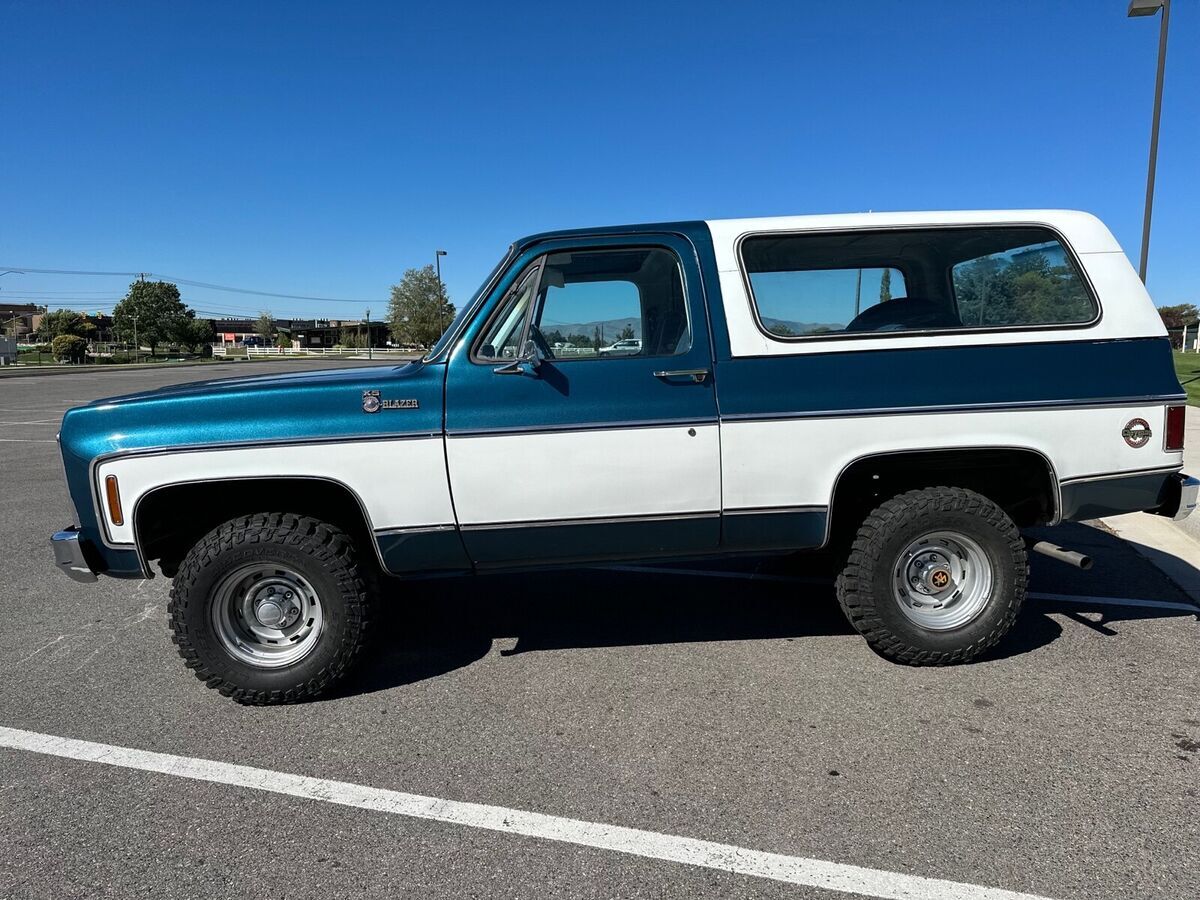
x=173 y=279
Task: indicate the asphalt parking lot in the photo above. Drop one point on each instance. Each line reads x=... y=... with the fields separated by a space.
x=729 y=705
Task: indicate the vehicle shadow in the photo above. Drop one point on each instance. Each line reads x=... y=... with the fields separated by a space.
x=430 y=627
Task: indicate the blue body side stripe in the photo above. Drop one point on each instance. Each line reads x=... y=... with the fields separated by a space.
x=1070 y=373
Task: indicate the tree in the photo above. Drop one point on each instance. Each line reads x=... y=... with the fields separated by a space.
x=283 y=341
x=157 y=310
x=64 y=321
x=626 y=332
x=264 y=327
x=1179 y=315
x=1027 y=289
x=885 y=286
x=193 y=333
x=419 y=309
x=68 y=348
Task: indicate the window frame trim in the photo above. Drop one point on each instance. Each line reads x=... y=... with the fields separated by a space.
x=916 y=332
x=534 y=271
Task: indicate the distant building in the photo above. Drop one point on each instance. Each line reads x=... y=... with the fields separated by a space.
x=331 y=332
x=103 y=327
x=24 y=316
x=303 y=333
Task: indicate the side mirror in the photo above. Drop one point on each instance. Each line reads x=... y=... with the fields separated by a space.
x=530 y=354
x=525 y=364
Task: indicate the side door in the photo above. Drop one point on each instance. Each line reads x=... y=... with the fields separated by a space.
x=581 y=417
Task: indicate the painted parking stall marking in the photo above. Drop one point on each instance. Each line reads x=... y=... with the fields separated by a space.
x=797 y=870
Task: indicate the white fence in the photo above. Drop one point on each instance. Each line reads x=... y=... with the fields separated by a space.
x=379 y=352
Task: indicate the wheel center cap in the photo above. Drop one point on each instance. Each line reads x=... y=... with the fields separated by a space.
x=269 y=613
x=939 y=578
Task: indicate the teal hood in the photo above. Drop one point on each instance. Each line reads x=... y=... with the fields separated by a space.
x=265 y=409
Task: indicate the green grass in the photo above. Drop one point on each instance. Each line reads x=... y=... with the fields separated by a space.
x=1187 y=367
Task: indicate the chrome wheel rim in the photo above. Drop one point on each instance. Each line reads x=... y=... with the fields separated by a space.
x=942 y=580
x=267 y=615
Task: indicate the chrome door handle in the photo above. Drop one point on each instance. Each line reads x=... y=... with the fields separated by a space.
x=697 y=375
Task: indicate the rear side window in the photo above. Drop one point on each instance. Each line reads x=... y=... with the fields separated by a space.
x=1034 y=284
x=911 y=280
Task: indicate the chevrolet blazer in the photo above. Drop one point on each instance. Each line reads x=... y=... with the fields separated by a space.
x=905 y=391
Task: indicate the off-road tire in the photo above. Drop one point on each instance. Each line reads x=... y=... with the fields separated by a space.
x=865 y=585
x=324 y=555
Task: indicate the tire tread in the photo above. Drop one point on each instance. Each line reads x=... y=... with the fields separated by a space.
x=854 y=584
x=329 y=547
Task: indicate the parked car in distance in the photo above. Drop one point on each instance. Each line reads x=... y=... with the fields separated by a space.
x=626 y=347
x=906 y=391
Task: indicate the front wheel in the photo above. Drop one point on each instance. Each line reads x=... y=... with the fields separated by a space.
x=934 y=577
x=270 y=608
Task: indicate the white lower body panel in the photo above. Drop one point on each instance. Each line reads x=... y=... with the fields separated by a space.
x=796 y=462
x=400 y=483
x=598 y=473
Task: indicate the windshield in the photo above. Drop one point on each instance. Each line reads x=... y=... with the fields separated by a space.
x=467 y=307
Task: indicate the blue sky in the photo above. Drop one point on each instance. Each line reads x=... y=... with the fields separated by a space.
x=322 y=149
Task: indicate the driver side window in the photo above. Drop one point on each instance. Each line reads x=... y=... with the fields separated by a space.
x=593 y=304
x=587 y=317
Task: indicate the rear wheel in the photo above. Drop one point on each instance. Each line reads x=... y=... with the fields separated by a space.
x=934 y=577
x=270 y=608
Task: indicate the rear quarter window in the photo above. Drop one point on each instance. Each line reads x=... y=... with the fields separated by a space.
x=885 y=281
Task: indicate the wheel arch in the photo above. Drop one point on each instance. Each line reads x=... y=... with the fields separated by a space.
x=870 y=479
x=222 y=499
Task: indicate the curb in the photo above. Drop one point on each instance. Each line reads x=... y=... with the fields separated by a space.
x=1165 y=545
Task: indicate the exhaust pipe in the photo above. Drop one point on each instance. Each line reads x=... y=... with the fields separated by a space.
x=1070 y=557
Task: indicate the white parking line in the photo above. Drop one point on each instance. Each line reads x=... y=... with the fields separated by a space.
x=24 y=441
x=796 y=870
x=1114 y=601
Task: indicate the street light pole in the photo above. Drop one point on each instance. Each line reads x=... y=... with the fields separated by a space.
x=369 y=355
x=1138 y=8
x=135 y=340
x=437 y=261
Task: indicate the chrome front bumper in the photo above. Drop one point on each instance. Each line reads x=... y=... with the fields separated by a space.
x=68 y=555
